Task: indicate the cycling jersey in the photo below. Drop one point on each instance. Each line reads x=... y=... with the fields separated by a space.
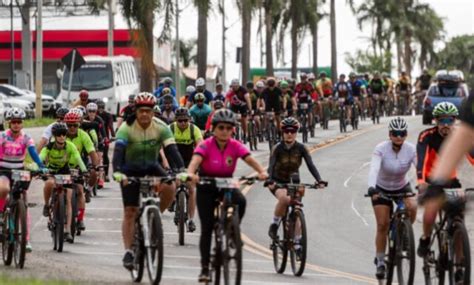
x=304 y=86
x=356 y=87
x=168 y=116
x=253 y=99
x=13 y=150
x=48 y=132
x=404 y=83
x=217 y=162
x=388 y=84
x=272 y=99
x=127 y=111
x=427 y=148
x=60 y=159
x=285 y=161
x=82 y=141
x=207 y=95
x=91 y=129
x=376 y=86
x=467 y=110
x=186 y=140
x=325 y=86
x=388 y=168
x=343 y=89
x=108 y=123
x=200 y=114
x=237 y=98
x=425 y=81
x=219 y=97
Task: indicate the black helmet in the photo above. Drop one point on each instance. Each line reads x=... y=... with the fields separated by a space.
x=289 y=123
x=131 y=97
x=223 y=116
x=218 y=104
x=249 y=84
x=100 y=104
x=59 y=129
x=182 y=112
x=61 y=112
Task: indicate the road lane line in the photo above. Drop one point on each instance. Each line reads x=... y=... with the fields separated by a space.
x=346 y=185
x=358 y=214
x=244 y=281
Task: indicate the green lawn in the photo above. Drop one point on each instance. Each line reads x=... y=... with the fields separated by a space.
x=4 y=280
x=30 y=123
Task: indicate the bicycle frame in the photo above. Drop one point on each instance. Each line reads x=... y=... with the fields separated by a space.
x=148 y=201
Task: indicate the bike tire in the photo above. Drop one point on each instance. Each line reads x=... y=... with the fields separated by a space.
x=7 y=246
x=390 y=264
x=154 y=252
x=298 y=266
x=405 y=243
x=459 y=231
x=435 y=272
x=251 y=134
x=304 y=130
x=181 y=212
x=217 y=261
x=280 y=248
x=138 y=249
x=233 y=245
x=20 y=234
x=271 y=136
x=74 y=228
x=60 y=220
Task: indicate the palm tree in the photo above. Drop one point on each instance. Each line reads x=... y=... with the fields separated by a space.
x=315 y=16
x=203 y=7
x=333 y=41
x=268 y=7
x=246 y=8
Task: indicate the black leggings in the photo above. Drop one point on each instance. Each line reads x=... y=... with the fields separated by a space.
x=105 y=160
x=206 y=197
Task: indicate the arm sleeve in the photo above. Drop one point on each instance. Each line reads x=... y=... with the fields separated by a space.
x=421 y=152
x=34 y=156
x=273 y=159
x=309 y=162
x=77 y=157
x=118 y=157
x=88 y=144
x=111 y=125
x=174 y=157
x=44 y=153
x=375 y=164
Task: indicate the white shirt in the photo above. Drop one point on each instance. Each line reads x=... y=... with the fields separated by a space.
x=388 y=168
x=48 y=132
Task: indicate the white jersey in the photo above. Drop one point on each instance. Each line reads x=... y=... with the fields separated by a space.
x=388 y=168
x=48 y=132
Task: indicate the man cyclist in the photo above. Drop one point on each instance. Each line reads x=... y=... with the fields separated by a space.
x=403 y=88
x=285 y=159
x=375 y=91
x=58 y=155
x=359 y=93
x=187 y=137
x=217 y=157
x=167 y=83
x=343 y=90
x=200 y=88
x=46 y=136
x=184 y=99
x=324 y=87
x=304 y=94
x=428 y=147
x=219 y=95
x=136 y=153
x=391 y=161
x=289 y=98
x=126 y=111
x=167 y=109
x=109 y=134
x=83 y=99
x=200 y=111
x=240 y=103
x=271 y=101
x=14 y=145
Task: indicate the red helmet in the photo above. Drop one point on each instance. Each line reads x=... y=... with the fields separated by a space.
x=72 y=117
x=84 y=94
x=145 y=99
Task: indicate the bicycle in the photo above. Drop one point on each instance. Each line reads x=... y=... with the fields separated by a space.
x=287 y=228
x=181 y=212
x=271 y=129
x=401 y=241
x=376 y=108
x=326 y=113
x=342 y=115
x=355 y=116
x=304 y=120
x=227 y=240
x=14 y=230
x=253 y=132
x=449 y=233
x=148 y=237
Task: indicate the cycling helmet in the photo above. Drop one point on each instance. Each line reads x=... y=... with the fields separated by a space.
x=145 y=99
x=84 y=94
x=59 y=129
x=445 y=109
x=61 y=112
x=271 y=81
x=101 y=104
x=190 y=89
x=168 y=80
x=167 y=99
x=15 y=113
x=342 y=75
x=165 y=91
x=81 y=109
x=199 y=97
x=260 y=84
x=398 y=124
x=220 y=85
x=322 y=73
x=200 y=82
x=157 y=110
x=234 y=82
x=218 y=104
x=131 y=97
x=311 y=76
x=73 y=116
x=91 y=107
x=289 y=123
x=303 y=75
x=223 y=116
x=249 y=85
x=182 y=112
x=352 y=74
x=284 y=84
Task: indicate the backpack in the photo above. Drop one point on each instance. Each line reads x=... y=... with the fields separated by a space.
x=191 y=126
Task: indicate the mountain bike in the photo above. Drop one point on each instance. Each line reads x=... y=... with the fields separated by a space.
x=376 y=108
x=401 y=241
x=181 y=212
x=355 y=116
x=304 y=120
x=14 y=230
x=449 y=244
x=253 y=132
x=342 y=115
x=326 y=113
x=271 y=129
x=288 y=228
x=148 y=237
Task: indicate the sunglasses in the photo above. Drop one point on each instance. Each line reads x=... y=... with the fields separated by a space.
x=446 y=121
x=72 y=125
x=61 y=134
x=227 y=128
x=16 y=122
x=182 y=121
x=290 y=131
x=400 y=134
x=90 y=111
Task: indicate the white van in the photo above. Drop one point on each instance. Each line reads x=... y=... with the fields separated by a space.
x=110 y=79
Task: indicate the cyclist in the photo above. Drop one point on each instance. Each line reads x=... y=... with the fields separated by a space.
x=271 y=100
x=391 y=161
x=200 y=88
x=58 y=154
x=359 y=92
x=254 y=94
x=324 y=87
x=403 y=88
x=187 y=137
x=167 y=109
x=239 y=101
x=126 y=111
x=304 y=94
x=343 y=89
x=14 y=144
x=83 y=99
x=375 y=88
x=289 y=98
x=136 y=153
x=200 y=111
x=428 y=147
x=217 y=157
x=60 y=113
x=285 y=159
x=109 y=134
x=388 y=85
x=184 y=99
x=167 y=83
x=219 y=95
x=217 y=106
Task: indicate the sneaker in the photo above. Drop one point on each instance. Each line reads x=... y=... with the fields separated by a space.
x=191 y=226
x=28 y=247
x=298 y=253
x=81 y=226
x=171 y=207
x=46 y=211
x=272 y=231
x=459 y=276
x=204 y=276
x=127 y=260
x=423 y=247
x=100 y=184
x=380 y=273
x=68 y=237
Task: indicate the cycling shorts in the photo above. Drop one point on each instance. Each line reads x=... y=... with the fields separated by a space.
x=389 y=203
x=240 y=109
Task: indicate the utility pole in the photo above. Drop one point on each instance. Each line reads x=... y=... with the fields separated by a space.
x=39 y=59
x=12 y=61
x=177 y=47
x=110 y=33
x=224 y=29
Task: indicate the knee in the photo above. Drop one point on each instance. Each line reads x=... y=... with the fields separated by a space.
x=130 y=213
x=382 y=227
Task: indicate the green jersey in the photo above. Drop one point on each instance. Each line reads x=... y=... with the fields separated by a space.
x=56 y=159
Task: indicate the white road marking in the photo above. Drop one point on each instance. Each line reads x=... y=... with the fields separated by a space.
x=346 y=184
x=358 y=214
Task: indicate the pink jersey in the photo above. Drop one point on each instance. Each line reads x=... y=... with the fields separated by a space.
x=13 y=151
x=220 y=163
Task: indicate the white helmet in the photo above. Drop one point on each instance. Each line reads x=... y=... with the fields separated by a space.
x=260 y=84
x=200 y=82
x=190 y=89
x=234 y=82
x=91 y=107
x=15 y=113
x=398 y=124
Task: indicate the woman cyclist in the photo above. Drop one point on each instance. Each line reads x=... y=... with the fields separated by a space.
x=217 y=157
x=391 y=160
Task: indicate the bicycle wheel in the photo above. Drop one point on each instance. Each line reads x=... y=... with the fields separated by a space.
x=181 y=212
x=7 y=245
x=298 y=259
x=217 y=260
x=434 y=265
x=304 y=129
x=74 y=228
x=460 y=251
x=279 y=248
x=250 y=134
x=390 y=257
x=60 y=220
x=20 y=234
x=154 y=252
x=405 y=253
x=233 y=251
x=138 y=249
x=271 y=135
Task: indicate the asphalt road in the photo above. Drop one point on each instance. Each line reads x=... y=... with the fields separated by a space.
x=340 y=224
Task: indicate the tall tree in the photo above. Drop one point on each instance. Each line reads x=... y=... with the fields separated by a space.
x=333 y=41
x=268 y=7
x=203 y=7
x=315 y=15
x=246 y=8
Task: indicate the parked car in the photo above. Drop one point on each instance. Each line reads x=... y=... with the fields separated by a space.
x=9 y=102
x=12 y=91
x=50 y=105
x=449 y=87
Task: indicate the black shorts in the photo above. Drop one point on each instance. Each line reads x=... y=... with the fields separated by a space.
x=240 y=109
x=389 y=203
x=131 y=195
